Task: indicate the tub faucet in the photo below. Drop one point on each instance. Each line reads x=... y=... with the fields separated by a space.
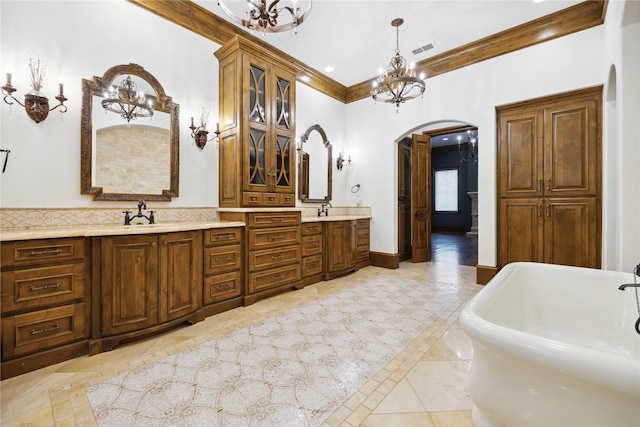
x=141 y=205
x=324 y=211
x=636 y=272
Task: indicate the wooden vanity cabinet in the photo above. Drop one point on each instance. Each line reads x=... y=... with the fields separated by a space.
x=347 y=247
x=341 y=244
x=223 y=284
x=312 y=253
x=44 y=303
x=363 y=243
x=273 y=251
x=256 y=149
x=144 y=284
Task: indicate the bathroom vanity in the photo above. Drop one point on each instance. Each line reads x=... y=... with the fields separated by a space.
x=82 y=290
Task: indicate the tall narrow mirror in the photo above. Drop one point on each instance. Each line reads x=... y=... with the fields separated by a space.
x=129 y=137
x=314 y=166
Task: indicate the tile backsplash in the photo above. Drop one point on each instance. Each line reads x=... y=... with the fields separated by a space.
x=63 y=217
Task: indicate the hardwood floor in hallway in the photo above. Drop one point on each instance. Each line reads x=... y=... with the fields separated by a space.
x=454 y=248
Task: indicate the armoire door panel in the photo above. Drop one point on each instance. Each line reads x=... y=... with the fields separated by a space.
x=521 y=152
x=570 y=232
x=521 y=231
x=570 y=163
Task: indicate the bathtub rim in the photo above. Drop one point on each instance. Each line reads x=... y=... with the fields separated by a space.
x=615 y=372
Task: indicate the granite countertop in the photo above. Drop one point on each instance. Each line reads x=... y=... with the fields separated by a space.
x=110 y=230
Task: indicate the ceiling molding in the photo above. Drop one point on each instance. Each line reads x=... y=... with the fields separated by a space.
x=579 y=17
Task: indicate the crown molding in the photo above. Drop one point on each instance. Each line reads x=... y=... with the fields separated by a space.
x=584 y=15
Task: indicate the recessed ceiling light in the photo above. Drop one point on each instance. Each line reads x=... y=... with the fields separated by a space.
x=305 y=78
x=445 y=139
x=329 y=69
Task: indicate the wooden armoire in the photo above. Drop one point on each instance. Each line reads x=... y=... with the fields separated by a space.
x=549 y=173
x=257 y=140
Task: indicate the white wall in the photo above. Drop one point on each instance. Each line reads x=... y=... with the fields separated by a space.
x=82 y=39
x=469 y=95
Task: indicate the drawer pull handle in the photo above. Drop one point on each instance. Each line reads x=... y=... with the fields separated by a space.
x=277 y=277
x=45 y=252
x=277 y=219
x=275 y=257
x=227 y=259
x=224 y=236
x=44 y=330
x=278 y=237
x=224 y=287
x=316 y=228
x=39 y=288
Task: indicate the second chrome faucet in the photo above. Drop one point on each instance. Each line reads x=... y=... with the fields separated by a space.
x=141 y=205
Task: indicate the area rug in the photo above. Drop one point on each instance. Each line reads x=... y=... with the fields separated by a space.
x=295 y=369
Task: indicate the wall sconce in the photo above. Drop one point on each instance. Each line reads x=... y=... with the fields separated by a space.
x=36 y=103
x=341 y=161
x=200 y=133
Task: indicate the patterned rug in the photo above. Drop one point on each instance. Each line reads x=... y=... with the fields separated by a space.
x=292 y=370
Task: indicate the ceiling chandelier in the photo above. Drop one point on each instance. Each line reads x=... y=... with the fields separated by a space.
x=263 y=17
x=471 y=145
x=398 y=83
x=127 y=101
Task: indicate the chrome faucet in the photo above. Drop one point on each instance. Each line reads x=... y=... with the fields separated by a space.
x=141 y=205
x=324 y=211
x=636 y=272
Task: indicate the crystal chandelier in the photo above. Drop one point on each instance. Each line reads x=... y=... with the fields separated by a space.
x=398 y=83
x=127 y=101
x=471 y=145
x=263 y=17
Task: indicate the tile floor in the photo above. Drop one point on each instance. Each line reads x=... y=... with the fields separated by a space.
x=424 y=385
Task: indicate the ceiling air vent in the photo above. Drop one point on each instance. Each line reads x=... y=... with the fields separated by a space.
x=422 y=49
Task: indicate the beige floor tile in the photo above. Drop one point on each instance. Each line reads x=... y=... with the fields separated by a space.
x=401 y=399
x=398 y=420
x=439 y=351
x=452 y=419
x=458 y=342
x=441 y=385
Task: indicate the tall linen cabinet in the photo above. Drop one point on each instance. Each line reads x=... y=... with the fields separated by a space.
x=257 y=119
x=550 y=180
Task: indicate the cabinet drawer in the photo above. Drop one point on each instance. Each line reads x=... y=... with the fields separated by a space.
x=312 y=245
x=362 y=254
x=273 y=237
x=268 y=199
x=273 y=278
x=222 y=236
x=363 y=237
x=222 y=258
x=40 y=330
x=272 y=219
x=37 y=252
x=311 y=228
x=40 y=287
x=311 y=265
x=362 y=223
x=222 y=287
x=259 y=260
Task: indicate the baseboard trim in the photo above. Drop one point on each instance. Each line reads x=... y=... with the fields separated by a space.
x=485 y=273
x=385 y=260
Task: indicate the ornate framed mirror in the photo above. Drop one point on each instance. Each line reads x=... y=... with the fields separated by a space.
x=314 y=166
x=129 y=137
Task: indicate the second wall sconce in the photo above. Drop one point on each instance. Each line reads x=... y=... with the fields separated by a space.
x=200 y=133
x=341 y=161
x=36 y=103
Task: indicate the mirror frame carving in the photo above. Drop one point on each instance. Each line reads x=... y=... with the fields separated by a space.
x=303 y=138
x=163 y=103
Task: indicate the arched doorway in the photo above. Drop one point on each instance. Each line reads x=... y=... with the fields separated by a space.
x=454 y=226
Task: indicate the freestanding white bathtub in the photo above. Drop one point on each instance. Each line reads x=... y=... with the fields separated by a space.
x=554 y=346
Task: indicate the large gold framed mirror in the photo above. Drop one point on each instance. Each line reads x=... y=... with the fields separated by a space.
x=314 y=166
x=129 y=137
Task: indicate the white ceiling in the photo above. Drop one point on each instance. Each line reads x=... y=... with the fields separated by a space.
x=357 y=39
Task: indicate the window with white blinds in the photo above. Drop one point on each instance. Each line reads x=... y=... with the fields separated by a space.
x=446 y=190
